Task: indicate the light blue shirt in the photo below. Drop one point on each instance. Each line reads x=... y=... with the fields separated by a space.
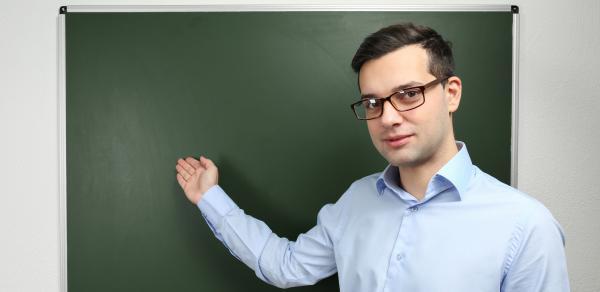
x=469 y=233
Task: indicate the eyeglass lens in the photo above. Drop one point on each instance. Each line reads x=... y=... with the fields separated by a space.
x=402 y=100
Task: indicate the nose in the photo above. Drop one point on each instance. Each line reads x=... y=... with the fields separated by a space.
x=390 y=116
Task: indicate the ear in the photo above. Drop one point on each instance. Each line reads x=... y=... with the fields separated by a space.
x=453 y=90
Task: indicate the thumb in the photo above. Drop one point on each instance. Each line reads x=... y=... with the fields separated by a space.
x=206 y=163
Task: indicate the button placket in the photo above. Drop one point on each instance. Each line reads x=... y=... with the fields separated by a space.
x=403 y=242
x=398 y=255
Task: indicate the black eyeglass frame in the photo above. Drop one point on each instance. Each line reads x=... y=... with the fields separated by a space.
x=422 y=88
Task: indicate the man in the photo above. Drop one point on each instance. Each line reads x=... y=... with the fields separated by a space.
x=431 y=221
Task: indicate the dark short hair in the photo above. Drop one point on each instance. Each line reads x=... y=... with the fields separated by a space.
x=393 y=37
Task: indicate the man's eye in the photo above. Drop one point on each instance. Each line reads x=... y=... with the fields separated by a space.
x=412 y=93
x=409 y=94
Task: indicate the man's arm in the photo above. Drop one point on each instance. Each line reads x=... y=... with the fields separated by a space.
x=275 y=260
x=537 y=260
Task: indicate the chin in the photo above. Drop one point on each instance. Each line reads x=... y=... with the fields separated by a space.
x=400 y=160
x=403 y=158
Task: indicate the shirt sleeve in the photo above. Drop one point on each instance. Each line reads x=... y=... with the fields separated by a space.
x=537 y=260
x=275 y=260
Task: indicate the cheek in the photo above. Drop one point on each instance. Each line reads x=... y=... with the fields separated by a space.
x=374 y=131
x=438 y=124
x=436 y=114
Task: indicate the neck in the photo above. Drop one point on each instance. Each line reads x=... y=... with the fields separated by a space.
x=414 y=179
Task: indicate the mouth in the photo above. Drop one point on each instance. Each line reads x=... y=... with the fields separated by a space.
x=397 y=140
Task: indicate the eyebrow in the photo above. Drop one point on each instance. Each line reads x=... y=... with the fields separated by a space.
x=395 y=89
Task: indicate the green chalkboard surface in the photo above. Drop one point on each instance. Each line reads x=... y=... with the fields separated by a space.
x=264 y=94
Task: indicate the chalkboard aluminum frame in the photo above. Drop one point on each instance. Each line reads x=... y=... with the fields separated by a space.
x=61 y=59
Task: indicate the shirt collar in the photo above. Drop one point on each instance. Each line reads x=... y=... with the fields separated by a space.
x=388 y=179
x=457 y=172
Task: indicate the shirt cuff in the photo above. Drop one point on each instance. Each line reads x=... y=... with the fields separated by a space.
x=215 y=204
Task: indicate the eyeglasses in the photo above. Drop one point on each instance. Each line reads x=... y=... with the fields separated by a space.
x=403 y=100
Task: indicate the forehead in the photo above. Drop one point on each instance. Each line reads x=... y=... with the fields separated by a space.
x=402 y=66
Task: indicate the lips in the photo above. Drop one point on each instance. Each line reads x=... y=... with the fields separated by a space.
x=397 y=140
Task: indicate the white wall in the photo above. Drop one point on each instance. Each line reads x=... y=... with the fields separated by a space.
x=558 y=130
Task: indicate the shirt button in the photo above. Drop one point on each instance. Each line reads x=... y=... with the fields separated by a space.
x=399 y=256
x=413 y=209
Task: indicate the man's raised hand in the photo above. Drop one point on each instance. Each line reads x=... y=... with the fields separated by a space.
x=196 y=176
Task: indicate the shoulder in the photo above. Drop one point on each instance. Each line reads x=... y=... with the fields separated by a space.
x=526 y=213
x=359 y=193
x=533 y=232
x=490 y=189
x=361 y=189
x=368 y=182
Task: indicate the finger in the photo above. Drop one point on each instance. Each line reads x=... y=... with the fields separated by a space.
x=207 y=163
x=181 y=181
x=180 y=171
x=185 y=165
x=193 y=162
x=190 y=169
x=186 y=175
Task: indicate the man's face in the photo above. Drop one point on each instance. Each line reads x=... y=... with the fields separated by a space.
x=418 y=136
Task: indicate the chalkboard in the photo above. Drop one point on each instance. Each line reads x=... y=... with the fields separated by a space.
x=266 y=95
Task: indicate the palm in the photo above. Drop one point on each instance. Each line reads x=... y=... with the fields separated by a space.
x=196 y=177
